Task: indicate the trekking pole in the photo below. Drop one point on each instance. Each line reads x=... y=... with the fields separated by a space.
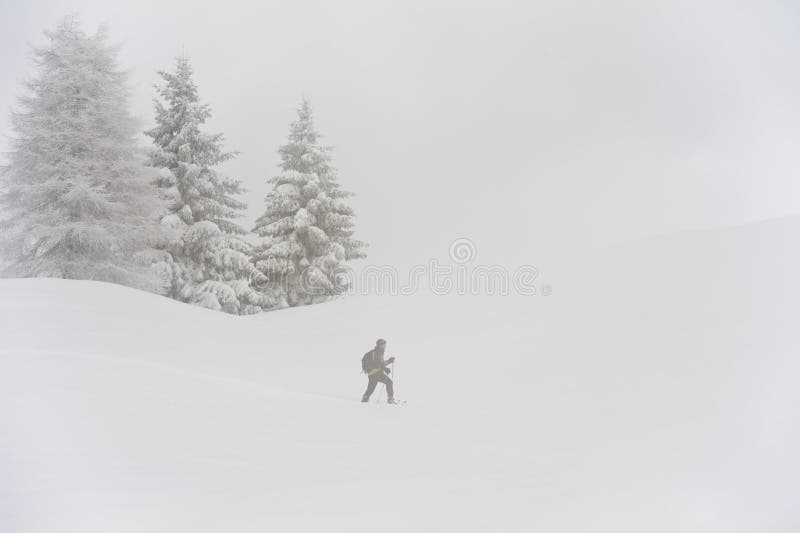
x=394 y=374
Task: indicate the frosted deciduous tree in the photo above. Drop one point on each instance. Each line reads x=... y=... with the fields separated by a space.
x=77 y=199
x=210 y=263
x=307 y=227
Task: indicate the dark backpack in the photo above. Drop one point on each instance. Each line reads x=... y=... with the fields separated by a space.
x=365 y=362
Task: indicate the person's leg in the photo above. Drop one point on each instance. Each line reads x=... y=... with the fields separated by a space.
x=389 y=385
x=370 y=387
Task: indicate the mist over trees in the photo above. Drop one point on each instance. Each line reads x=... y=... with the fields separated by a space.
x=77 y=200
x=82 y=200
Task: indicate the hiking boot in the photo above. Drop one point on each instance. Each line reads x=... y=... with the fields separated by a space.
x=364 y=399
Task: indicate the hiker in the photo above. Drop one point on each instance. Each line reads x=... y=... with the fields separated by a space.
x=374 y=366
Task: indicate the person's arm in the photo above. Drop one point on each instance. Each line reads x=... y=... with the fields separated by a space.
x=385 y=364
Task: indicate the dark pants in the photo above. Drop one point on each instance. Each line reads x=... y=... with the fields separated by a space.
x=374 y=379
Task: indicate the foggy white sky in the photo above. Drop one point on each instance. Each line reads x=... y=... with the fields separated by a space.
x=525 y=126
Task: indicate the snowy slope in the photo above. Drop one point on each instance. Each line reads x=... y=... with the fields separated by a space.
x=654 y=390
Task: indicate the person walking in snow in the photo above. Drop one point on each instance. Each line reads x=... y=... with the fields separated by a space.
x=374 y=365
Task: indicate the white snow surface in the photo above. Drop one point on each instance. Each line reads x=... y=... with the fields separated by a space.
x=654 y=391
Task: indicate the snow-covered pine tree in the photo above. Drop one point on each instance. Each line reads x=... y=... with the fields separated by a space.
x=210 y=262
x=198 y=191
x=77 y=200
x=307 y=227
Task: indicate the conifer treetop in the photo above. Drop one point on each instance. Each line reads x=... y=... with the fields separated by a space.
x=191 y=154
